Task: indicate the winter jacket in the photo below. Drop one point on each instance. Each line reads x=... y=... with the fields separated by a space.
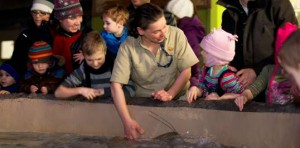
x=112 y=42
x=113 y=45
x=257 y=30
x=194 y=31
x=51 y=79
x=67 y=44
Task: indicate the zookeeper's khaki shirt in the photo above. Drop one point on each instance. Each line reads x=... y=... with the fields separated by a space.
x=141 y=66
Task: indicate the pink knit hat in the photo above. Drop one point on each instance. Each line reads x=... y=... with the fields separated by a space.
x=64 y=9
x=220 y=46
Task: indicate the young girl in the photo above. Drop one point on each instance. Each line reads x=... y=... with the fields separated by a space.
x=9 y=79
x=43 y=74
x=272 y=77
x=216 y=78
x=289 y=56
x=115 y=32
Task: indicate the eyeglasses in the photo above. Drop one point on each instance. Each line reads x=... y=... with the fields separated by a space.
x=38 y=12
x=170 y=57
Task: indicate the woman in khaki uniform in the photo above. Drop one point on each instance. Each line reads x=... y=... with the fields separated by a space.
x=158 y=62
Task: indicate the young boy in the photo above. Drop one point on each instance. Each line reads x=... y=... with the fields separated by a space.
x=9 y=79
x=115 y=32
x=92 y=78
x=44 y=74
x=289 y=56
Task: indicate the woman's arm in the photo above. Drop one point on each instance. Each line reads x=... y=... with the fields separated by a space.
x=180 y=82
x=131 y=128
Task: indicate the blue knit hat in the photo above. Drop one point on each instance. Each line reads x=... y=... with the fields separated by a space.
x=9 y=69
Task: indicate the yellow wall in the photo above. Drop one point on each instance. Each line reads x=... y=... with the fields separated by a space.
x=97 y=23
x=215 y=15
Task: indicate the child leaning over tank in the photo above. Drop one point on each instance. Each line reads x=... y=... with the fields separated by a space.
x=92 y=78
x=216 y=78
x=280 y=89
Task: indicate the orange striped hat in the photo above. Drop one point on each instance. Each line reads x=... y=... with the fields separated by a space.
x=40 y=52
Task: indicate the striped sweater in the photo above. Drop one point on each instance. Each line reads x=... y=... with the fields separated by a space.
x=86 y=76
x=228 y=81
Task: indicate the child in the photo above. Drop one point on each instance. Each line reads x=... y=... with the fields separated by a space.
x=216 y=78
x=272 y=77
x=115 y=32
x=43 y=74
x=10 y=79
x=92 y=78
x=192 y=27
x=289 y=56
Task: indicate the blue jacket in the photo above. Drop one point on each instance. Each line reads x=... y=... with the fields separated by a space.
x=112 y=42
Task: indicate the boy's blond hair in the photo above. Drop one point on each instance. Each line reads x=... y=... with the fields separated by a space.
x=116 y=12
x=290 y=51
x=92 y=43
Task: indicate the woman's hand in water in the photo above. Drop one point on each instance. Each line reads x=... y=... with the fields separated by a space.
x=132 y=129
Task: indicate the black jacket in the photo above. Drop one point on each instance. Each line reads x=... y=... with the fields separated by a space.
x=257 y=30
x=25 y=41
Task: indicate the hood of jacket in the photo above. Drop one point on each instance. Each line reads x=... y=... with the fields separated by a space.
x=192 y=24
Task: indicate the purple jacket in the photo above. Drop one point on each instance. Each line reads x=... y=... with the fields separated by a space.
x=194 y=31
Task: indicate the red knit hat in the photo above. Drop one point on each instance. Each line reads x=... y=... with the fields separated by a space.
x=64 y=9
x=40 y=51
